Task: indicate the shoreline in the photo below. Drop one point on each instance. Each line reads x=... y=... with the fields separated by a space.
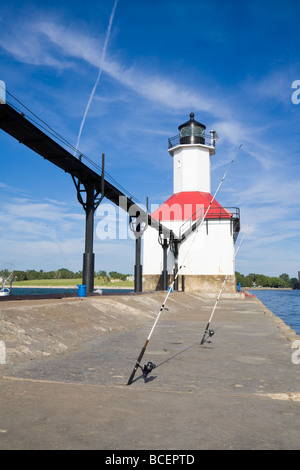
x=289 y=332
x=268 y=288
x=69 y=287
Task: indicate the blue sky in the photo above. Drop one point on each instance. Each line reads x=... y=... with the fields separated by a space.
x=231 y=63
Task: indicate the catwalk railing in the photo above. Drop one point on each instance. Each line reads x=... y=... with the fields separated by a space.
x=214 y=213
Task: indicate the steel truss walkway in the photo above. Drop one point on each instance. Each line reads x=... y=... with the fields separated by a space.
x=91 y=187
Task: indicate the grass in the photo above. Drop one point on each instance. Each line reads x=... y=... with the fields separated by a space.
x=70 y=282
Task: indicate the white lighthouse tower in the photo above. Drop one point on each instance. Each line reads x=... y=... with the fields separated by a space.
x=191 y=158
x=204 y=248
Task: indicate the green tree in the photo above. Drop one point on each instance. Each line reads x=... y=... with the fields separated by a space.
x=294 y=283
x=65 y=273
x=115 y=275
x=102 y=276
x=285 y=277
x=278 y=282
x=21 y=275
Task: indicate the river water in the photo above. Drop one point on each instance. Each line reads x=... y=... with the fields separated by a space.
x=62 y=290
x=283 y=303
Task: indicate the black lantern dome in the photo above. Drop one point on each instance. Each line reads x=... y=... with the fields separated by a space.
x=192 y=132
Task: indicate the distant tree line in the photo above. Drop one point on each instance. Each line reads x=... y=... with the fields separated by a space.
x=260 y=280
x=33 y=275
x=102 y=275
x=251 y=280
x=63 y=273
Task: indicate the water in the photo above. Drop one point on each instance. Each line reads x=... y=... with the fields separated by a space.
x=57 y=290
x=283 y=303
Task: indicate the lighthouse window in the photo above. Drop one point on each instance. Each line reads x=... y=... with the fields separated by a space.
x=178 y=163
x=192 y=130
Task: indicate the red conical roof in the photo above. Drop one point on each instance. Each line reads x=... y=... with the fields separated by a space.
x=190 y=204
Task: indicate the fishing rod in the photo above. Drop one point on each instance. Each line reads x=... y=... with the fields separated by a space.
x=209 y=333
x=146 y=369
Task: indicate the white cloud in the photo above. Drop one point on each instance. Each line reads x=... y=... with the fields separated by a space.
x=48 y=43
x=47 y=211
x=48 y=235
x=144 y=82
x=31 y=49
x=53 y=44
x=25 y=219
x=272 y=189
x=166 y=92
x=275 y=86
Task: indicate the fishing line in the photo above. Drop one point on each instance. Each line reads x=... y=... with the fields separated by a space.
x=150 y=366
x=209 y=333
x=99 y=73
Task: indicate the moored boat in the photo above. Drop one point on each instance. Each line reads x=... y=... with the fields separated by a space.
x=7 y=277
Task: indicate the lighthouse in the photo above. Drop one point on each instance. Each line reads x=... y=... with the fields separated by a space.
x=203 y=232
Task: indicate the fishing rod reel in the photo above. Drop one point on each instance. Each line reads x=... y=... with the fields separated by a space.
x=146 y=369
x=207 y=334
x=211 y=333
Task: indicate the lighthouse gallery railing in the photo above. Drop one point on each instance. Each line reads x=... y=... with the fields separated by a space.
x=214 y=213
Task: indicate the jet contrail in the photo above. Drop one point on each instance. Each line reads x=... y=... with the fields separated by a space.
x=99 y=73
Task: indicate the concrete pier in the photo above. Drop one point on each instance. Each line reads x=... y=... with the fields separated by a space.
x=68 y=361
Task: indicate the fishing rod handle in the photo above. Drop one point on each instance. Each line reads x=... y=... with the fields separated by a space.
x=137 y=363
